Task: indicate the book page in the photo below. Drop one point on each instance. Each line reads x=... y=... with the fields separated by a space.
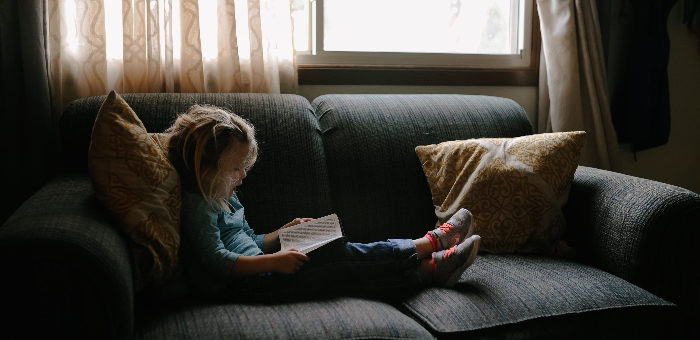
x=311 y=235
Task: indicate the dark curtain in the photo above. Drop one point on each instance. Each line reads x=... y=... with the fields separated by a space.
x=691 y=16
x=27 y=136
x=636 y=48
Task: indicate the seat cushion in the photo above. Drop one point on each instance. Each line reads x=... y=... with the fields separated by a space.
x=324 y=319
x=502 y=291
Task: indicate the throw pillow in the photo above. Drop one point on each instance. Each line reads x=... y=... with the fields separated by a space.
x=514 y=187
x=134 y=179
x=162 y=139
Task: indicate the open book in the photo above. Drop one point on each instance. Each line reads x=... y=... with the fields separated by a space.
x=311 y=235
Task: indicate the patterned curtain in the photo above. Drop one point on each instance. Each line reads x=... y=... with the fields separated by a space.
x=169 y=46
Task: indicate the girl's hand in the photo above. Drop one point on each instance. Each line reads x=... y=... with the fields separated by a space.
x=289 y=261
x=271 y=243
x=296 y=221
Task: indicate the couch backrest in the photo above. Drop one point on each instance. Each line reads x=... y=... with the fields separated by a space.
x=377 y=183
x=290 y=178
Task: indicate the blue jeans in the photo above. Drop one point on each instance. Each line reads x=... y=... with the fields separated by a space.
x=339 y=267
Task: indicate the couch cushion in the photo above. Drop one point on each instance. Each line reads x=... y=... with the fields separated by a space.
x=289 y=178
x=377 y=183
x=506 y=290
x=336 y=318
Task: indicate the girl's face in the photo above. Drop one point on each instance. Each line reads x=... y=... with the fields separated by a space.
x=232 y=170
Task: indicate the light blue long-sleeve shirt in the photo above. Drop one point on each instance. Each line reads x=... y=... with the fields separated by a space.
x=214 y=239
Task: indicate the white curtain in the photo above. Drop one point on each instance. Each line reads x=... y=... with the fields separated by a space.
x=573 y=87
x=169 y=46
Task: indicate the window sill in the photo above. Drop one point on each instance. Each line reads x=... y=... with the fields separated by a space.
x=418 y=75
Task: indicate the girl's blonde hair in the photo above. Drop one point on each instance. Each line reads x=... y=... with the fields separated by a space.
x=199 y=137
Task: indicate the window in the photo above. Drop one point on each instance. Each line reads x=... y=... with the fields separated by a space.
x=441 y=42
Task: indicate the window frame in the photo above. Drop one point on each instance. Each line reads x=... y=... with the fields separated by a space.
x=445 y=75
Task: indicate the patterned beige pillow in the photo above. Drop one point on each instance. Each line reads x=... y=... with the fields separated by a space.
x=162 y=139
x=134 y=179
x=514 y=187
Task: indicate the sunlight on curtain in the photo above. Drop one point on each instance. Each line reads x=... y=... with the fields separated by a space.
x=169 y=46
x=573 y=87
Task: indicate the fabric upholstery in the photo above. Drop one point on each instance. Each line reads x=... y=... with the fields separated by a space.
x=506 y=289
x=68 y=265
x=514 y=187
x=161 y=140
x=290 y=167
x=643 y=231
x=135 y=181
x=336 y=318
x=378 y=187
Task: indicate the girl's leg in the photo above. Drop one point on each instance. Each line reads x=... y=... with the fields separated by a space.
x=390 y=265
x=424 y=247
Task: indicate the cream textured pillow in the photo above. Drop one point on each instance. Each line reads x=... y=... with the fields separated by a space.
x=134 y=179
x=514 y=187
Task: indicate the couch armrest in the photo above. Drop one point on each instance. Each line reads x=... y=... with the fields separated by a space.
x=643 y=231
x=66 y=266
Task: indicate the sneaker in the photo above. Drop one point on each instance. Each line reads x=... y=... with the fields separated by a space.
x=452 y=232
x=448 y=265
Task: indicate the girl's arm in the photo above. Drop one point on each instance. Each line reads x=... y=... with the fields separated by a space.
x=286 y=261
x=271 y=242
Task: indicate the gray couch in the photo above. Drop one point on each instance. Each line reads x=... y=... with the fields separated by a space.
x=67 y=270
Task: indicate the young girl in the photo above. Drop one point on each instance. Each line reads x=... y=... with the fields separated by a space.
x=212 y=150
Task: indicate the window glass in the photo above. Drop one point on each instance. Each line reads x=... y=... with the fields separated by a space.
x=429 y=42
x=421 y=26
